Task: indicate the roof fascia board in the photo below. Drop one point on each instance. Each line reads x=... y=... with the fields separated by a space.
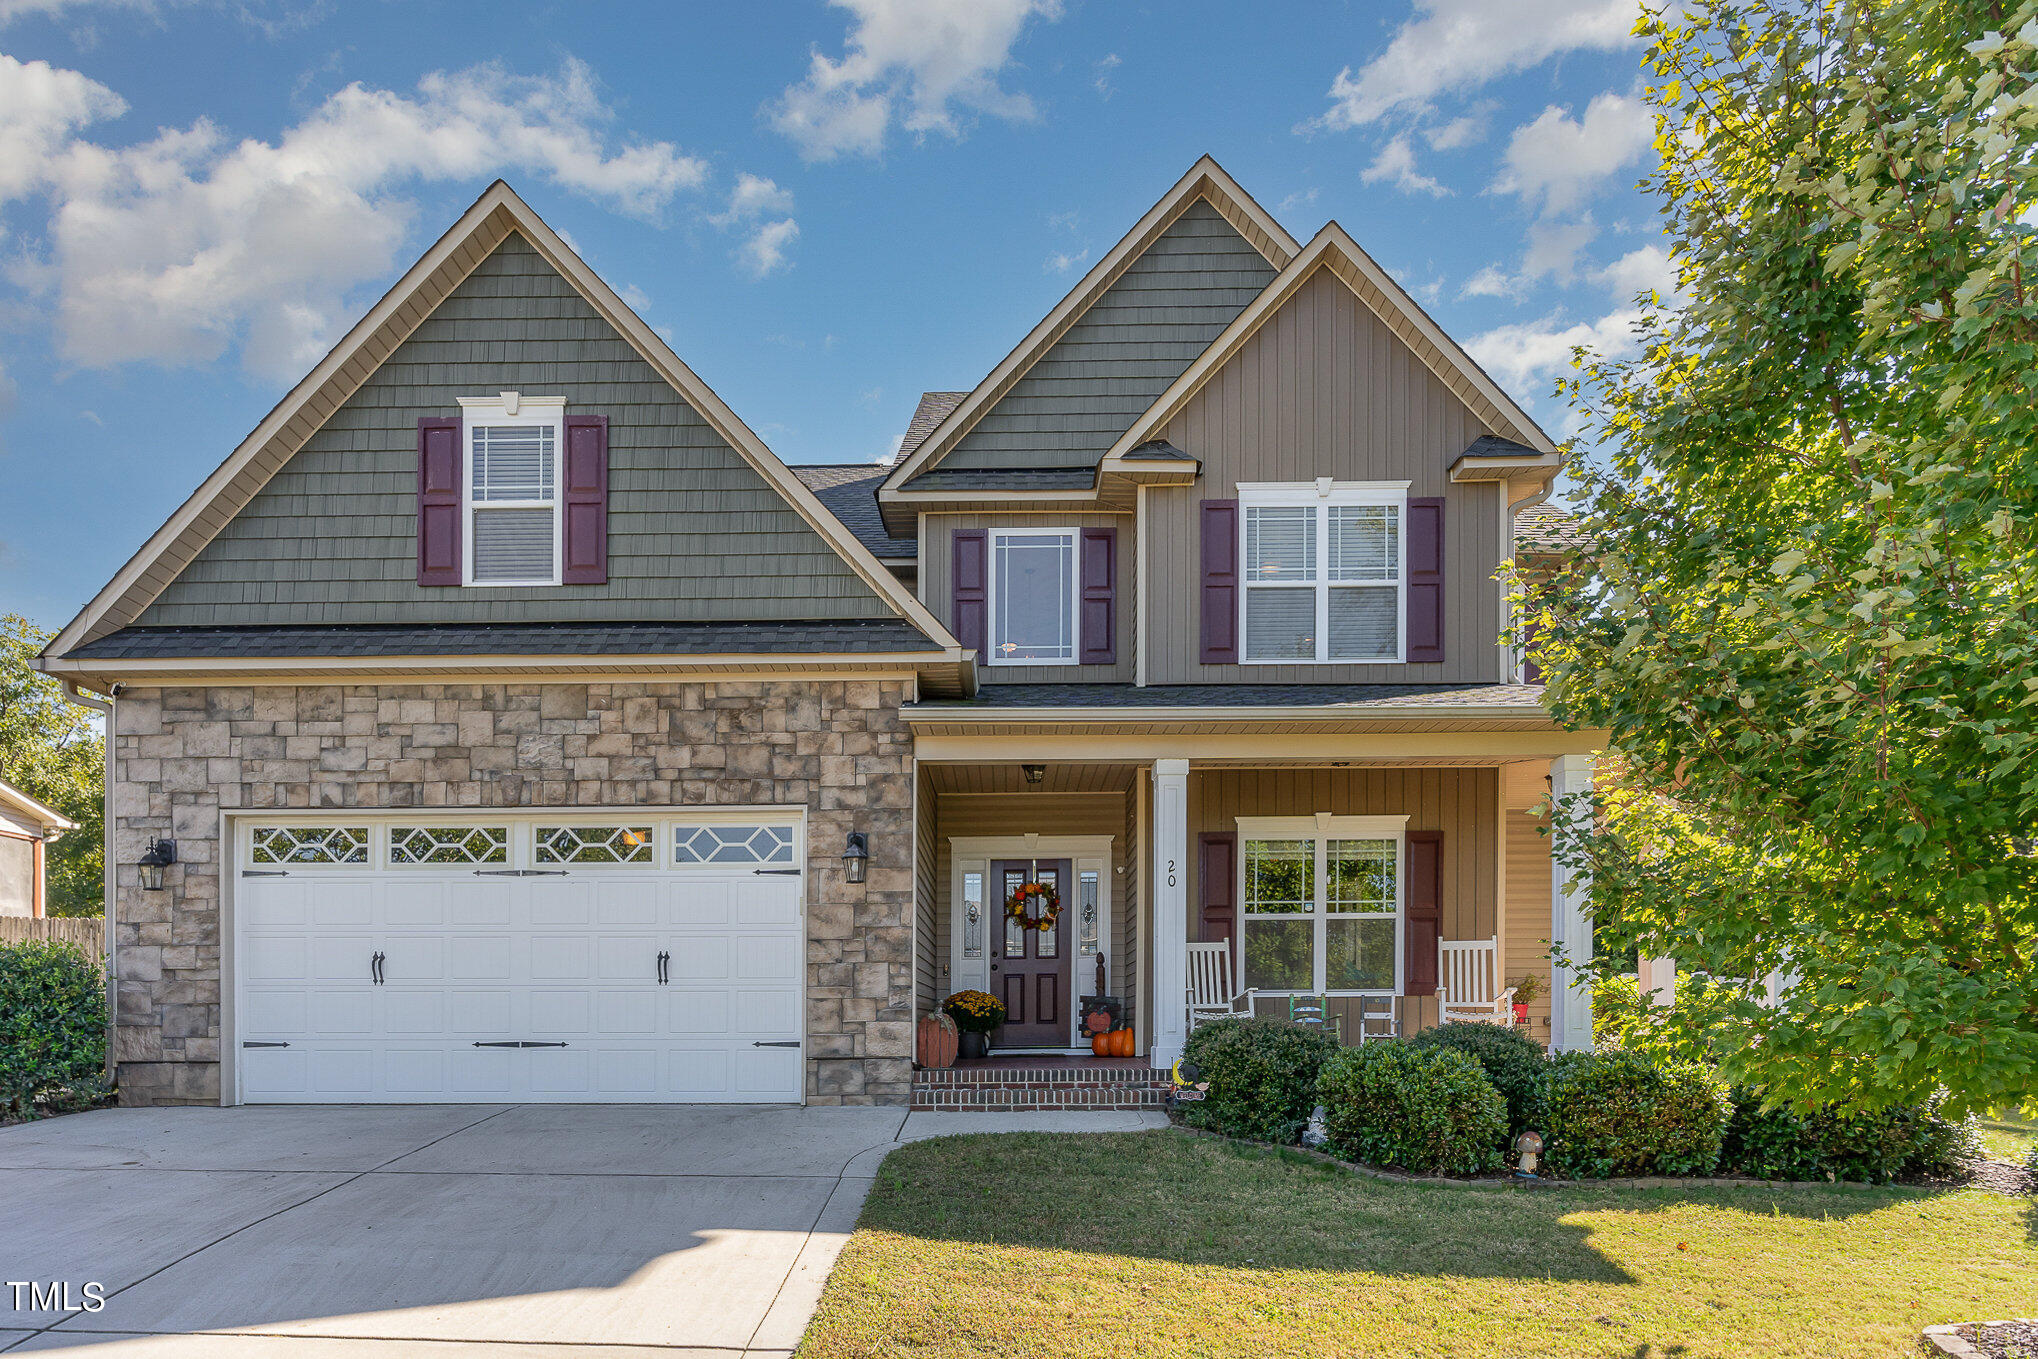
x=50 y=818
x=1144 y=716
x=338 y=370
x=1330 y=247
x=1205 y=179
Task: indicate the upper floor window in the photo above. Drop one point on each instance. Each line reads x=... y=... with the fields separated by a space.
x=1325 y=575
x=1033 y=615
x=512 y=489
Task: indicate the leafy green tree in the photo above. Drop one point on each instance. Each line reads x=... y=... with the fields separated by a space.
x=1811 y=622
x=51 y=749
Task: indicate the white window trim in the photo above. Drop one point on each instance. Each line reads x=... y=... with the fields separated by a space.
x=1075 y=599
x=1320 y=830
x=512 y=408
x=1323 y=493
x=1086 y=854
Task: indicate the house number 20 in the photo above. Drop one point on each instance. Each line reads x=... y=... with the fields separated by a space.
x=1171 y=872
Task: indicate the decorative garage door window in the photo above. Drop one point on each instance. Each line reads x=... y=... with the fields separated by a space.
x=310 y=845
x=448 y=844
x=736 y=844
x=594 y=844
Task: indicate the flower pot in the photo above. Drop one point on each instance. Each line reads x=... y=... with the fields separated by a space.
x=1521 y=1012
x=972 y=1045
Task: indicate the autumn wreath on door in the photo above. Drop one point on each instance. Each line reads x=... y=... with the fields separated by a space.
x=1034 y=906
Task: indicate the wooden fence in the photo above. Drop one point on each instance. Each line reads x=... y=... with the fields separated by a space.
x=86 y=931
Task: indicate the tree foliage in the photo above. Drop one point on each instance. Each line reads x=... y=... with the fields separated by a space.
x=51 y=749
x=1809 y=625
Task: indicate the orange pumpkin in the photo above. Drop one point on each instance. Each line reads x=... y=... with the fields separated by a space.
x=1100 y=1044
x=937 y=1041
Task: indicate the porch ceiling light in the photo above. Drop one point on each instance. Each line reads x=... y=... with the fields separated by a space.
x=158 y=856
x=856 y=857
x=1034 y=772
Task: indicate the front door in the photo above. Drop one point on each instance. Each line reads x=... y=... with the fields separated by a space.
x=1030 y=968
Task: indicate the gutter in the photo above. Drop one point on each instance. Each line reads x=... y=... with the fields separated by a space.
x=106 y=865
x=1313 y=713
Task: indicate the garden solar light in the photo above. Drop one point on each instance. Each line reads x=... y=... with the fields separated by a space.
x=1527 y=1148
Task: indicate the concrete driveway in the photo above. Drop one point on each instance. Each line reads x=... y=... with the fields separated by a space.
x=520 y=1231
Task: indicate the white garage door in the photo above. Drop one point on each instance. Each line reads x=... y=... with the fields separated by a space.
x=584 y=959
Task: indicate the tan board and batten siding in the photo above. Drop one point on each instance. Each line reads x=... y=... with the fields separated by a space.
x=695 y=534
x=1325 y=388
x=1464 y=804
x=1525 y=945
x=937 y=590
x=1170 y=302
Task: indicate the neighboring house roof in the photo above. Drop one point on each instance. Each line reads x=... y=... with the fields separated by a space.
x=1545 y=529
x=524 y=639
x=1207 y=181
x=1351 y=696
x=1333 y=249
x=492 y=218
x=849 y=491
x=932 y=410
x=26 y=808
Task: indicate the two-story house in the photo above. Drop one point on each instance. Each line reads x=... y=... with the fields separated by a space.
x=502 y=720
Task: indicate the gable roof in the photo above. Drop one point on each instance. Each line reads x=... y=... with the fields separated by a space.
x=494 y=216
x=849 y=491
x=1206 y=180
x=26 y=808
x=932 y=410
x=1334 y=250
x=1545 y=530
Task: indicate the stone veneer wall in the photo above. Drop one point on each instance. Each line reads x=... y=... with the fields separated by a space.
x=838 y=747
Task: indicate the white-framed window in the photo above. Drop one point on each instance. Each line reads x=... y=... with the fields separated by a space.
x=512 y=447
x=1320 y=904
x=1326 y=572
x=1033 y=614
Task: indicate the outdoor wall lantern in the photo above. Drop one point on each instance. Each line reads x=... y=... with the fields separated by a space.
x=158 y=856
x=1034 y=772
x=1527 y=1148
x=856 y=857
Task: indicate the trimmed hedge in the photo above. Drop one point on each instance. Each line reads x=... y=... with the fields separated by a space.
x=52 y=1027
x=1907 y=1141
x=1512 y=1060
x=1426 y=1109
x=1262 y=1075
x=1619 y=1113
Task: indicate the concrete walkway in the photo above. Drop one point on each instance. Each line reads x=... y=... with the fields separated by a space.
x=519 y=1231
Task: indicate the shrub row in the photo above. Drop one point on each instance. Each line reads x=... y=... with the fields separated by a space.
x=1450 y=1100
x=52 y=1028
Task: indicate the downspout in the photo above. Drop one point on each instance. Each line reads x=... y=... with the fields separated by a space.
x=105 y=708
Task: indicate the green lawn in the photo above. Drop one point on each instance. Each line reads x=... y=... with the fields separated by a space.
x=2008 y=1137
x=1162 y=1244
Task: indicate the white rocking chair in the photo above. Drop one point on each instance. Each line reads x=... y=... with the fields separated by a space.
x=1210 y=993
x=1469 y=970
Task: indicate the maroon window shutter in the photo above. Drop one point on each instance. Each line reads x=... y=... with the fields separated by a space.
x=969 y=579
x=584 y=556
x=439 y=472
x=1100 y=596
x=1220 y=582
x=1425 y=910
x=1425 y=579
x=1217 y=880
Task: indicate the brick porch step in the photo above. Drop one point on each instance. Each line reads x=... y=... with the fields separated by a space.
x=1041 y=1083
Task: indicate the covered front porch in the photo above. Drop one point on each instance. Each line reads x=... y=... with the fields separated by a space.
x=1328 y=879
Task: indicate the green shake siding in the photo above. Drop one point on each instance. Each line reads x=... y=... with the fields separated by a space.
x=694 y=533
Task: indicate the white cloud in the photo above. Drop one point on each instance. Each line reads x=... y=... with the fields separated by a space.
x=1554 y=161
x=1062 y=261
x=1527 y=358
x=755 y=195
x=1396 y=165
x=174 y=249
x=1646 y=269
x=41 y=108
x=10 y=10
x=1492 y=281
x=1461 y=131
x=1554 y=247
x=1101 y=74
x=919 y=63
x=1459 y=45
x=1301 y=198
x=765 y=251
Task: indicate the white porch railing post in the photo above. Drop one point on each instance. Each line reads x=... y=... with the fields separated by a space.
x=1170 y=909
x=1570 y=923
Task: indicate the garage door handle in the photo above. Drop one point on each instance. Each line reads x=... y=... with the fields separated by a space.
x=375 y=967
x=265 y=872
x=664 y=961
x=777 y=872
x=264 y=1045
x=790 y=1043
x=515 y=1043
x=519 y=872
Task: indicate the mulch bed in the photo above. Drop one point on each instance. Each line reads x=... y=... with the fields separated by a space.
x=2003 y=1177
x=2004 y=1339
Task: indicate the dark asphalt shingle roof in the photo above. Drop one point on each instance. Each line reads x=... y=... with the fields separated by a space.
x=1159 y=450
x=849 y=491
x=1004 y=479
x=1493 y=446
x=1545 y=529
x=932 y=410
x=507 y=639
x=1354 y=696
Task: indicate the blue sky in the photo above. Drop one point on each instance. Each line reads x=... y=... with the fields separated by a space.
x=824 y=207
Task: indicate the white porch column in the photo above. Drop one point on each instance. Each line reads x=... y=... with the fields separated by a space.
x=1570 y=925
x=1658 y=977
x=1170 y=909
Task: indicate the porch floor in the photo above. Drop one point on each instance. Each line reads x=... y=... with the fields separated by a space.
x=1042 y=1082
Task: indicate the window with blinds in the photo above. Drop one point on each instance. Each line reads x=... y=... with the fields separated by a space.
x=1323 y=573
x=513 y=501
